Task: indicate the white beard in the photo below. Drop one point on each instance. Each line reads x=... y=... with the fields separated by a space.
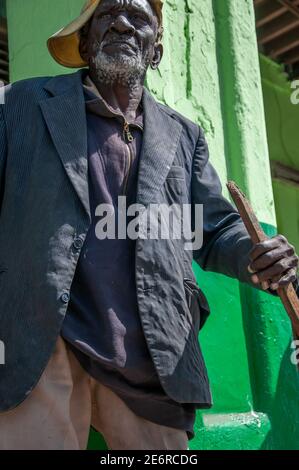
x=121 y=69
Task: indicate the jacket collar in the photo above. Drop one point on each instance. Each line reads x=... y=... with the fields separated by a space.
x=65 y=116
x=96 y=104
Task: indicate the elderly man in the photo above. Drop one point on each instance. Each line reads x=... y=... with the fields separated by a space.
x=104 y=331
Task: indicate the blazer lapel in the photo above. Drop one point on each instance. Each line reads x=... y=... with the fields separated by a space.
x=160 y=141
x=65 y=117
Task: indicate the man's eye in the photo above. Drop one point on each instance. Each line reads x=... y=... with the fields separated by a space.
x=140 y=18
x=105 y=16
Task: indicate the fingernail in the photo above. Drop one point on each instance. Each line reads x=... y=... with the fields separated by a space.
x=265 y=285
x=250 y=270
x=274 y=286
x=255 y=279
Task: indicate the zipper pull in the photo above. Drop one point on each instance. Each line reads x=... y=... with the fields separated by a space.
x=128 y=132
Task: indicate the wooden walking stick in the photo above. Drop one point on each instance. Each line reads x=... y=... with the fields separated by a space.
x=287 y=294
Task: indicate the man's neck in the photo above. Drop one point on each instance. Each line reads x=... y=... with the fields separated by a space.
x=121 y=98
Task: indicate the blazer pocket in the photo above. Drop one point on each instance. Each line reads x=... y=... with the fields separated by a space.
x=197 y=303
x=177 y=172
x=175 y=184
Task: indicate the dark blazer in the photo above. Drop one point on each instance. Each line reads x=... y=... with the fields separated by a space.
x=44 y=208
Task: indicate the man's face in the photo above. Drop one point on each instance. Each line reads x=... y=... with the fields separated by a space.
x=121 y=38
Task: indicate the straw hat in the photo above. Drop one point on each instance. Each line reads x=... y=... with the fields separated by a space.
x=64 y=45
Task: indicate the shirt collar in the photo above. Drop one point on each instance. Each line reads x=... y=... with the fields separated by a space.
x=96 y=104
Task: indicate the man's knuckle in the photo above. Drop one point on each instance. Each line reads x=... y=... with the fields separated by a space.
x=253 y=266
x=255 y=252
x=294 y=275
x=282 y=238
x=281 y=264
x=290 y=251
x=267 y=257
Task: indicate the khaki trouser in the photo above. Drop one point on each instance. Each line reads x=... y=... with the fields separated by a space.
x=58 y=413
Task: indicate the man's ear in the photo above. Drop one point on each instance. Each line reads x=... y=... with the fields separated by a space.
x=158 y=54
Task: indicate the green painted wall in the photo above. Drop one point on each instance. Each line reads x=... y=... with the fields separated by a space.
x=286 y=195
x=282 y=119
x=211 y=74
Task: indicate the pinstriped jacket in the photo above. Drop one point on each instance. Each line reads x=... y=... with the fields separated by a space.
x=44 y=207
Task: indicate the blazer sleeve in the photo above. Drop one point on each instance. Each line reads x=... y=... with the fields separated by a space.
x=226 y=243
x=3 y=153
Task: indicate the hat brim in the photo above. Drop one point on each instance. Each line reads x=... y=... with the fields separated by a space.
x=64 y=45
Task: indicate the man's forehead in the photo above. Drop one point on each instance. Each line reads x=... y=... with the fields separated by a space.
x=136 y=4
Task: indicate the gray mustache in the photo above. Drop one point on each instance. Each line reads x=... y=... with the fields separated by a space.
x=120 y=40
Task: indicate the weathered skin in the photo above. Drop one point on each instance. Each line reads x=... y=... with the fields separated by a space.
x=275 y=262
x=124 y=28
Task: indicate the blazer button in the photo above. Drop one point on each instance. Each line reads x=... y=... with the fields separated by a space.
x=77 y=244
x=65 y=298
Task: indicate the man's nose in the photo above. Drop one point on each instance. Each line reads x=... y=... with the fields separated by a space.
x=121 y=25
